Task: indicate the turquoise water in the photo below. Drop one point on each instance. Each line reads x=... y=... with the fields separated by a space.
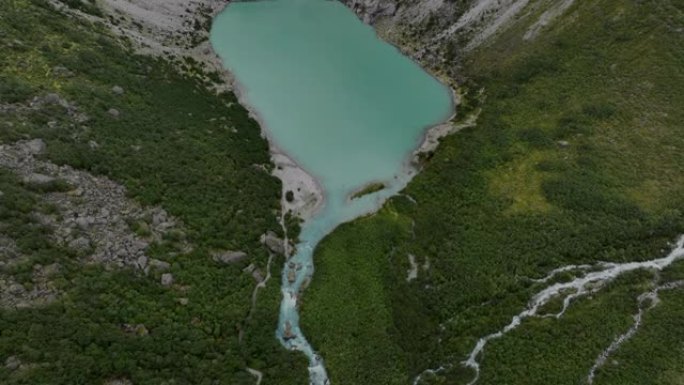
x=347 y=107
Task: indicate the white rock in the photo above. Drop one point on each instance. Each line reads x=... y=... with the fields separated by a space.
x=167 y=279
x=35 y=146
x=230 y=256
x=142 y=262
x=38 y=179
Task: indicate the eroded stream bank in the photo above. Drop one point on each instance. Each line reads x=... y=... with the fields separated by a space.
x=342 y=104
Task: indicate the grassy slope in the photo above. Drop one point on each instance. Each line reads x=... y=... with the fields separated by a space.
x=174 y=144
x=505 y=200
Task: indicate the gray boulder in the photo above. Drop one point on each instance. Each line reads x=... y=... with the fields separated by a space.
x=142 y=262
x=16 y=289
x=167 y=279
x=117 y=90
x=274 y=243
x=288 y=333
x=35 y=146
x=85 y=222
x=113 y=112
x=229 y=256
x=160 y=217
x=80 y=244
x=158 y=265
x=53 y=99
x=12 y=363
x=38 y=179
x=257 y=275
x=61 y=71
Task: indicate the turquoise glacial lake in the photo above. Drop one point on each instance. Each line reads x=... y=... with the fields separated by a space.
x=346 y=106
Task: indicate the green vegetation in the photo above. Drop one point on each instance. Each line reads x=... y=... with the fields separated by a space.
x=574 y=160
x=562 y=351
x=171 y=142
x=369 y=189
x=366 y=342
x=653 y=355
x=87 y=6
x=17 y=205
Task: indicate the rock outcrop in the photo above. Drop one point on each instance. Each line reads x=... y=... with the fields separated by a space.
x=275 y=244
x=93 y=217
x=255 y=272
x=229 y=256
x=167 y=279
x=14 y=295
x=12 y=363
x=436 y=32
x=95 y=213
x=172 y=29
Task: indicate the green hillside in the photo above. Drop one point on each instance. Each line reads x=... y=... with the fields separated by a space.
x=102 y=108
x=576 y=158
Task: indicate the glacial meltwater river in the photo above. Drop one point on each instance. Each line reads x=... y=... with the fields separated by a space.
x=346 y=106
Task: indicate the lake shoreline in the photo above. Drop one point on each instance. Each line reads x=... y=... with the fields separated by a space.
x=309 y=195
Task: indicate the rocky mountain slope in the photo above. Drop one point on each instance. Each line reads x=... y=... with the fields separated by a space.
x=440 y=32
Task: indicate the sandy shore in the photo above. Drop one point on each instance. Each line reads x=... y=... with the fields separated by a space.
x=308 y=195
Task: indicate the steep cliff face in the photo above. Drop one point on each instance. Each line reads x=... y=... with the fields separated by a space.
x=439 y=32
x=414 y=27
